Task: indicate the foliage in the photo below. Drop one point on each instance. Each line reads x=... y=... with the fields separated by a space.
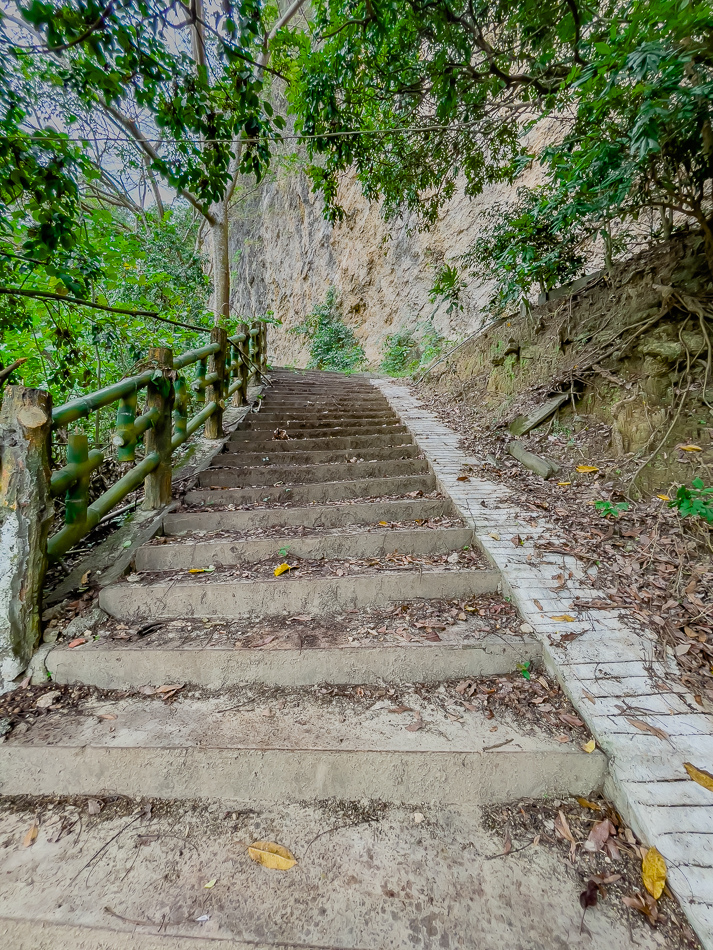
x=332 y=343
x=100 y=102
x=405 y=354
x=533 y=242
x=611 y=509
x=694 y=501
x=401 y=353
x=446 y=90
x=149 y=265
x=448 y=286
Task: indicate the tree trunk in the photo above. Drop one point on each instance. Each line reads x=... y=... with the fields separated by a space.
x=26 y=511
x=221 y=266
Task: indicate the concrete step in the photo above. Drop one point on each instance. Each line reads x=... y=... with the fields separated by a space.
x=209 y=595
x=340 y=432
x=323 y=402
x=314 y=516
x=321 y=438
x=217 y=475
x=318 y=493
x=347 y=411
x=292 y=746
x=244 y=459
x=368 y=877
x=252 y=442
x=364 y=543
x=317 y=421
x=285 y=662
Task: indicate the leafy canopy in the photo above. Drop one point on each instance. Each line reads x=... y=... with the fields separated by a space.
x=120 y=70
x=449 y=91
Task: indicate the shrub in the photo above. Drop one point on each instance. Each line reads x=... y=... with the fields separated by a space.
x=332 y=344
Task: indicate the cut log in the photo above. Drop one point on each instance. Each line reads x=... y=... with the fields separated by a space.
x=543 y=467
x=26 y=511
x=524 y=424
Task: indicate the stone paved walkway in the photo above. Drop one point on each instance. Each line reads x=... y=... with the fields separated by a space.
x=623 y=689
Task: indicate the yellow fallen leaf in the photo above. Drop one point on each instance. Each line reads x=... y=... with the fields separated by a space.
x=699 y=775
x=653 y=873
x=586 y=469
x=282 y=568
x=589 y=746
x=585 y=803
x=272 y=855
x=565 y=618
x=690 y=448
x=201 y=570
x=494 y=535
x=562 y=484
x=664 y=497
x=211 y=884
x=31 y=835
x=384 y=524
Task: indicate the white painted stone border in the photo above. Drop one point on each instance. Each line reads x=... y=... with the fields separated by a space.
x=611 y=673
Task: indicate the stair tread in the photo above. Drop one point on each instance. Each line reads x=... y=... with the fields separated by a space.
x=292 y=720
x=368 y=876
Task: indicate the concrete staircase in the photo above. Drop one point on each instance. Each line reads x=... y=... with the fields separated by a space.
x=298 y=689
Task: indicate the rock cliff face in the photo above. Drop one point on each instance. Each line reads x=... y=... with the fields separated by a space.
x=288 y=256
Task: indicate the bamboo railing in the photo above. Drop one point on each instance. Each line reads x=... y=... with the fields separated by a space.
x=225 y=367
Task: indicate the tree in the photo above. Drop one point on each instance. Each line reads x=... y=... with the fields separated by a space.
x=417 y=97
x=185 y=92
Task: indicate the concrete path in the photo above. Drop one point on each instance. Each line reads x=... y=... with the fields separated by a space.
x=623 y=689
x=317 y=651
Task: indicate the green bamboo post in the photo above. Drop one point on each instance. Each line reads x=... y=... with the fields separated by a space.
x=77 y=497
x=263 y=347
x=214 y=392
x=243 y=349
x=180 y=411
x=236 y=367
x=125 y=436
x=201 y=374
x=160 y=394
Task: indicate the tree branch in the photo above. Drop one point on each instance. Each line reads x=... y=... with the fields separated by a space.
x=138 y=136
x=46 y=295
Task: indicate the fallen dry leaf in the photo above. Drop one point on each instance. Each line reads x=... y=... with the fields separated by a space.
x=599 y=835
x=570 y=719
x=31 y=835
x=170 y=688
x=211 y=884
x=562 y=827
x=272 y=855
x=699 y=775
x=589 y=746
x=644 y=903
x=281 y=569
x=262 y=643
x=586 y=469
x=690 y=448
x=653 y=872
x=94 y=806
x=76 y=643
x=585 y=803
x=565 y=618
x=646 y=727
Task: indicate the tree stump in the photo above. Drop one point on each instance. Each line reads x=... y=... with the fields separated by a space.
x=26 y=513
